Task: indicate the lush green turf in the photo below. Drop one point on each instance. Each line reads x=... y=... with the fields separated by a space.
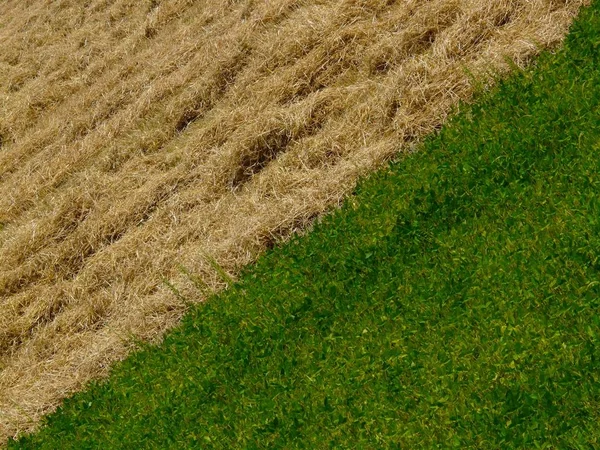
x=454 y=302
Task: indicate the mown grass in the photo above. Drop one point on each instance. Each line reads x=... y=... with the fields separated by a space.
x=453 y=302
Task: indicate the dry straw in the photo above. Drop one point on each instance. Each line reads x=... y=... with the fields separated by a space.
x=138 y=137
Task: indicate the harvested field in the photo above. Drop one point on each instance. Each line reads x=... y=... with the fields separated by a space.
x=142 y=141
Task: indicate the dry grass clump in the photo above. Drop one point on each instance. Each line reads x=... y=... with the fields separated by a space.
x=136 y=137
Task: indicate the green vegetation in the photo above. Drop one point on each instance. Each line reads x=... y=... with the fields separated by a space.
x=453 y=302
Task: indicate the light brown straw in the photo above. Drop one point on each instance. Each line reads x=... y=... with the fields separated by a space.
x=137 y=137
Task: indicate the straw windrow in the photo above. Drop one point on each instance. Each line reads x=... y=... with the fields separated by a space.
x=140 y=138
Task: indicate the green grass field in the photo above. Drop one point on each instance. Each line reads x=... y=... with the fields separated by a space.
x=454 y=301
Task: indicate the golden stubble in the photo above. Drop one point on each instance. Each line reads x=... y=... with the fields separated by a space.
x=139 y=140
